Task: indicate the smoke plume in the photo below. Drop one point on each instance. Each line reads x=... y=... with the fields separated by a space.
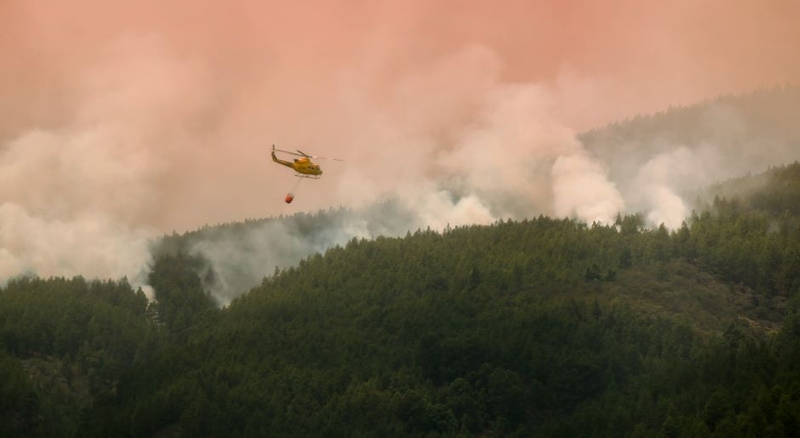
x=129 y=122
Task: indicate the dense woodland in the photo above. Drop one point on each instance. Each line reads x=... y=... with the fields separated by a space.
x=540 y=327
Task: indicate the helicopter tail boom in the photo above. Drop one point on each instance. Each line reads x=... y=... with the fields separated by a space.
x=279 y=161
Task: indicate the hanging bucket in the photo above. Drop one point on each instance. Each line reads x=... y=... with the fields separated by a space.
x=289 y=198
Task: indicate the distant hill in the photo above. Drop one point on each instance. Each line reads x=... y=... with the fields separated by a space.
x=764 y=121
x=685 y=149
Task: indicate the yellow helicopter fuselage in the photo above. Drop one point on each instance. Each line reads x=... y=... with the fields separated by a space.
x=302 y=165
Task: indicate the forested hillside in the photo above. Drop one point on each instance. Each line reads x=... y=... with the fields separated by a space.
x=540 y=327
x=233 y=258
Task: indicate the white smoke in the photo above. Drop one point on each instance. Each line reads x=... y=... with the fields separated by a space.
x=145 y=139
x=69 y=207
x=459 y=145
x=662 y=182
x=91 y=245
x=663 y=178
x=583 y=190
x=83 y=197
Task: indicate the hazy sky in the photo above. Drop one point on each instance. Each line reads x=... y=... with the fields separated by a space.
x=142 y=117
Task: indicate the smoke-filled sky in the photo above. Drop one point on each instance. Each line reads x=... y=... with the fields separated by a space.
x=119 y=122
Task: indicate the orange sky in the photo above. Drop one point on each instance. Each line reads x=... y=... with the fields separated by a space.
x=198 y=83
x=659 y=52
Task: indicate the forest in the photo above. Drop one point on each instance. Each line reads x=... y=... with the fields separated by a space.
x=541 y=327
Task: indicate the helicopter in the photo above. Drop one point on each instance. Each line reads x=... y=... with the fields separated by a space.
x=303 y=165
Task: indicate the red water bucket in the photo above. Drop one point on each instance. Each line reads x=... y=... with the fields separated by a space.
x=289 y=198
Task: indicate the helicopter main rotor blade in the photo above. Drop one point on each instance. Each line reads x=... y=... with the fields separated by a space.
x=325 y=158
x=290 y=153
x=300 y=153
x=318 y=157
